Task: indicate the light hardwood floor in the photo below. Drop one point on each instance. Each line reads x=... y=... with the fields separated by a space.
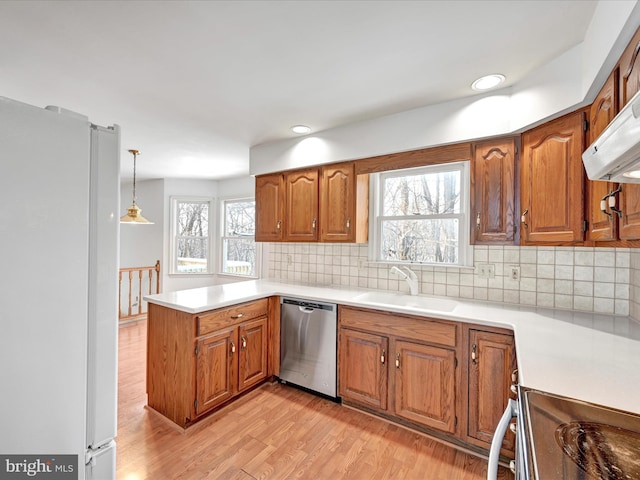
x=274 y=432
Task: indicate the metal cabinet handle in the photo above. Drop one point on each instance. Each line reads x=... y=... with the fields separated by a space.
x=523 y=218
x=398 y=361
x=478 y=221
x=603 y=205
x=513 y=427
x=314 y=223
x=348 y=223
x=279 y=225
x=514 y=388
x=514 y=376
x=383 y=357
x=512 y=466
x=244 y=342
x=233 y=347
x=474 y=354
x=612 y=201
x=238 y=315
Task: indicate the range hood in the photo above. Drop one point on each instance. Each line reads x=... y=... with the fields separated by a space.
x=615 y=155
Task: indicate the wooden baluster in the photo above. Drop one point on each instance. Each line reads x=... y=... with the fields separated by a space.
x=130 y=288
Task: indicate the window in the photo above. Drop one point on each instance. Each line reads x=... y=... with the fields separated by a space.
x=420 y=215
x=190 y=250
x=239 y=252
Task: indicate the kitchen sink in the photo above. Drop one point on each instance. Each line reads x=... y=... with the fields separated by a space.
x=410 y=301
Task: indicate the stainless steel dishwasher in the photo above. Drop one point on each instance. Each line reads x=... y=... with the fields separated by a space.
x=308 y=345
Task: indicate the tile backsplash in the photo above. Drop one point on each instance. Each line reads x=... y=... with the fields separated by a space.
x=599 y=280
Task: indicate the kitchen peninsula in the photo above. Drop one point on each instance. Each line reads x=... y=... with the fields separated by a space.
x=578 y=355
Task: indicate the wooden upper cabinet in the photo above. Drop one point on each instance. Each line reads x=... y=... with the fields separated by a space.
x=602 y=226
x=269 y=207
x=629 y=224
x=301 y=205
x=343 y=204
x=552 y=180
x=493 y=192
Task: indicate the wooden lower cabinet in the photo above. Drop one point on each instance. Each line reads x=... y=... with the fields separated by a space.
x=425 y=386
x=395 y=372
x=216 y=369
x=492 y=362
x=448 y=379
x=363 y=368
x=198 y=362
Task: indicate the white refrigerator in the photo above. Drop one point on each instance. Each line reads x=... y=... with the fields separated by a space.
x=59 y=231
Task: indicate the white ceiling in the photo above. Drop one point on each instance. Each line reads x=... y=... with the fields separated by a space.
x=195 y=84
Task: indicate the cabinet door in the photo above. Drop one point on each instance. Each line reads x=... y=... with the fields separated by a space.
x=338 y=203
x=216 y=369
x=629 y=86
x=493 y=192
x=491 y=363
x=252 y=339
x=552 y=182
x=363 y=368
x=301 y=219
x=269 y=208
x=425 y=385
x=602 y=226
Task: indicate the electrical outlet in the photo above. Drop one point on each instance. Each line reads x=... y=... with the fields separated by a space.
x=515 y=272
x=289 y=260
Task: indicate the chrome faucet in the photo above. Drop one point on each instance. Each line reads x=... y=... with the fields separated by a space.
x=410 y=277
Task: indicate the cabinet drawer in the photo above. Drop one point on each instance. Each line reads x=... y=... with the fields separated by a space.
x=224 y=317
x=400 y=325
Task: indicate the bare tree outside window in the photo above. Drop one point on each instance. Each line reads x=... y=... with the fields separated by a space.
x=420 y=216
x=238 y=241
x=192 y=236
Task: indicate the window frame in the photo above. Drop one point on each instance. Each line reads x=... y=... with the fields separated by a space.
x=173 y=257
x=222 y=203
x=465 y=250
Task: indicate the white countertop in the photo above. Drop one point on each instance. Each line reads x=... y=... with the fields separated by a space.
x=595 y=358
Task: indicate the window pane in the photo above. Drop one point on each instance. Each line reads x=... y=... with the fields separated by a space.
x=426 y=194
x=239 y=219
x=430 y=241
x=193 y=219
x=239 y=256
x=192 y=255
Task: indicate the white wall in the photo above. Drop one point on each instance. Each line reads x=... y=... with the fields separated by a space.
x=563 y=84
x=144 y=244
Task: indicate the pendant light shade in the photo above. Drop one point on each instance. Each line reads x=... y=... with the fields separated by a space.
x=133 y=212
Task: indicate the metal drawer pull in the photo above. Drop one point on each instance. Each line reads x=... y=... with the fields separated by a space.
x=513 y=427
x=383 y=356
x=514 y=376
x=244 y=342
x=514 y=388
x=474 y=355
x=398 y=361
x=233 y=347
x=512 y=466
x=239 y=315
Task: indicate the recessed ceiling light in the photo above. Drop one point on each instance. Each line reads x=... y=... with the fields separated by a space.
x=300 y=129
x=488 y=81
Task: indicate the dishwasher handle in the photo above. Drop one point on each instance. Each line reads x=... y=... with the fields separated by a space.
x=494 y=454
x=306 y=309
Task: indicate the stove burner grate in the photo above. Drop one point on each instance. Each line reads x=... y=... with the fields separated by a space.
x=603 y=452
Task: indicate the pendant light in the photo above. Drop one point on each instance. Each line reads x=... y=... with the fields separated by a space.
x=133 y=212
